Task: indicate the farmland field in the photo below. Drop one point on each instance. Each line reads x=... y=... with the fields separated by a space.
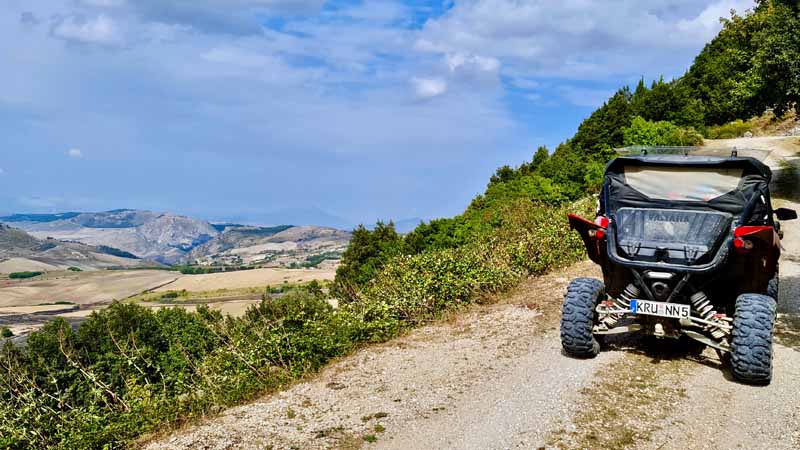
x=25 y=305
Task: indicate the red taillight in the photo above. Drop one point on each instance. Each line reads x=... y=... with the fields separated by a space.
x=750 y=229
x=742 y=244
x=743 y=236
x=600 y=234
x=602 y=221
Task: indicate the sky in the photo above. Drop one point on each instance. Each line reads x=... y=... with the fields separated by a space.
x=331 y=112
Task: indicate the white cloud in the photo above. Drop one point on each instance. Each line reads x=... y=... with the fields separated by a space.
x=101 y=30
x=456 y=61
x=75 y=153
x=234 y=17
x=576 y=38
x=706 y=24
x=426 y=88
x=104 y=3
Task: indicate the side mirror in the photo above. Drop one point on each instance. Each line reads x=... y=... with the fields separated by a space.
x=785 y=214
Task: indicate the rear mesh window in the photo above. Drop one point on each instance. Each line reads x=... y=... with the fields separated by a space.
x=685 y=236
x=683 y=183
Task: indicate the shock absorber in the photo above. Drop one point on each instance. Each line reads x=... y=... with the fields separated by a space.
x=706 y=311
x=622 y=302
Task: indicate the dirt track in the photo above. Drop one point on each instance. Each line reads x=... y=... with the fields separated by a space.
x=495 y=378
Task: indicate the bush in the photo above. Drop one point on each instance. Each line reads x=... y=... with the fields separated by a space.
x=6 y=332
x=169 y=295
x=23 y=275
x=645 y=132
x=365 y=256
x=201 y=270
x=729 y=130
x=74 y=269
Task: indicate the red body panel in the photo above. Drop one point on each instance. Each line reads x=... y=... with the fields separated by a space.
x=594 y=246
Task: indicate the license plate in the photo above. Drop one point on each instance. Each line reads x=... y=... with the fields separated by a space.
x=661 y=309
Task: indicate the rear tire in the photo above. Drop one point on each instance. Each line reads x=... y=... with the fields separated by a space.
x=577 y=317
x=751 y=344
x=773 y=288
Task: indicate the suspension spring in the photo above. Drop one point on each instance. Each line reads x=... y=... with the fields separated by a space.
x=706 y=311
x=622 y=302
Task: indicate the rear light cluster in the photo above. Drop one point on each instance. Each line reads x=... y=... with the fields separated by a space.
x=600 y=233
x=742 y=236
x=742 y=244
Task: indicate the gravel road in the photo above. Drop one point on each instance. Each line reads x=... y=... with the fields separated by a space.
x=495 y=378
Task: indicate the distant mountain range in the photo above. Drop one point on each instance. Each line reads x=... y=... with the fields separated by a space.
x=159 y=237
x=19 y=252
x=172 y=239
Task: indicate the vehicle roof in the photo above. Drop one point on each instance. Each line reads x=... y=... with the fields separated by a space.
x=751 y=166
x=617 y=193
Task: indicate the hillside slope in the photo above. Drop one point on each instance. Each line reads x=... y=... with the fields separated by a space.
x=495 y=378
x=271 y=246
x=171 y=239
x=19 y=251
x=161 y=237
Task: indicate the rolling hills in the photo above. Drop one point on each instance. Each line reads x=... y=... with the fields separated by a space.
x=175 y=239
x=161 y=237
x=19 y=251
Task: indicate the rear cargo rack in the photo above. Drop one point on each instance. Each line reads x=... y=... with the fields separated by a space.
x=688 y=152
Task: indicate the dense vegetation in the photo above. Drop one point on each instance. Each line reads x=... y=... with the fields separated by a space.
x=128 y=369
x=23 y=275
x=315 y=260
x=116 y=252
x=199 y=270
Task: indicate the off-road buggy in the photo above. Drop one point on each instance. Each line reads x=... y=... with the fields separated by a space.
x=689 y=245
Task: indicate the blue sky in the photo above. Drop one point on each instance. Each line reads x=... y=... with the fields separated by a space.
x=301 y=111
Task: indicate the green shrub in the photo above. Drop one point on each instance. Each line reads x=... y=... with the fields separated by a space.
x=365 y=257
x=74 y=269
x=169 y=295
x=729 y=130
x=24 y=275
x=316 y=260
x=201 y=270
x=6 y=332
x=645 y=132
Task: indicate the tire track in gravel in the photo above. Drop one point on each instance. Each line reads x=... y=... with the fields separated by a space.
x=491 y=377
x=660 y=397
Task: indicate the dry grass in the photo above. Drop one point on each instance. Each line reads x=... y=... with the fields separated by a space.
x=246 y=279
x=81 y=288
x=769 y=125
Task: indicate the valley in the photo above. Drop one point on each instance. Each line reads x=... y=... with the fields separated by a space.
x=68 y=265
x=26 y=305
x=166 y=238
